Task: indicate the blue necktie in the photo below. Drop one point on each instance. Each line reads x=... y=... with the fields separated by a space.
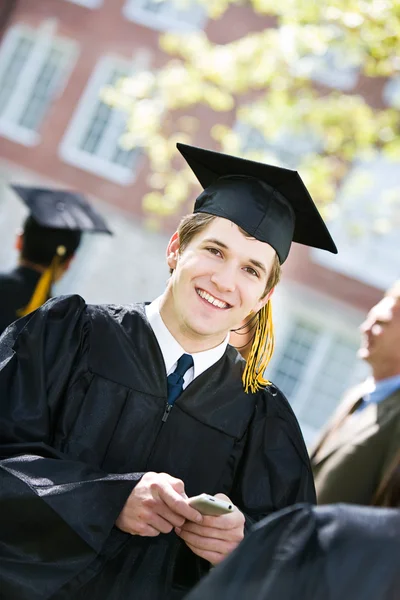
x=175 y=379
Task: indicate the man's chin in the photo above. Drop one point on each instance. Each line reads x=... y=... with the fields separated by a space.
x=363 y=354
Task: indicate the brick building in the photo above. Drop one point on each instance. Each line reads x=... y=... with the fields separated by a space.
x=55 y=57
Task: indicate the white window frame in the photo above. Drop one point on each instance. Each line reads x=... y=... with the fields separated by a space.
x=332 y=319
x=391 y=92
x=45 y=37
x=87 y=3
x=325 y=69
x=69 y=150
x=370 y=258
x=274 y=149
x=336 y=68
x=171 y=19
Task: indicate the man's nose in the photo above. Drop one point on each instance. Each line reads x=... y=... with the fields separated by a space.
x=224 y=278
x=367 y=325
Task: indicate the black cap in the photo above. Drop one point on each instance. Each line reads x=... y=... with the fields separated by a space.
x=270 y=203
x=61 y=209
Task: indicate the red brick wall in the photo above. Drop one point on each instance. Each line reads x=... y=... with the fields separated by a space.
x=105 y=30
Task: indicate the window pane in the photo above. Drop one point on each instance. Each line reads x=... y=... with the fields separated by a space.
x=329 y=383
x=157 y=7
x=43 y=90
x=167 y=15
x=105 y=128
x=124 y=158
x=288 y=372
x=12 y=72
x=96 y=128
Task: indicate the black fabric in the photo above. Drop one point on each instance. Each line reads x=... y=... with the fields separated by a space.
x=270 y=203
x=337 y=552
x=83 y=390
x=16 y=289
x=61 y=209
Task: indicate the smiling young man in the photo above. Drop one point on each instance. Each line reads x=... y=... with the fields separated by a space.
x=111 y=416
x=221 y=279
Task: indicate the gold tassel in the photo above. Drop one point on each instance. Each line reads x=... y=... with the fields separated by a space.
x=43 y=287
x=261 y=351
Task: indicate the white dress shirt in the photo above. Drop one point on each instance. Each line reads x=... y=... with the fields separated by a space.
x=172 y=350
x=380 y=390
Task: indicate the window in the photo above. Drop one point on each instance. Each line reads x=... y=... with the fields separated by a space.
x=286 y=149
x=92 y=139
x=367 y=228
x=302 y=339
x=315 y=359
x=332 y=69
x=34 y=66
x=327 y=59
x=166 y=15
x=88 y=3
x=391 y=92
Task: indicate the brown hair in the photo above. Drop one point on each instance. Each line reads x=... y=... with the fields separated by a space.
x=263 y=338
x=193 y=224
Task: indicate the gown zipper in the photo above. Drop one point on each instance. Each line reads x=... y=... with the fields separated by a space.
x=167 y=410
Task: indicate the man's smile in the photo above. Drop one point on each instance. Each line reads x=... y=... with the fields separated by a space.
x=212 y=300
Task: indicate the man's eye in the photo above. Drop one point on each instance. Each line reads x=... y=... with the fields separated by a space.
x=214 y=251
x=252 y=271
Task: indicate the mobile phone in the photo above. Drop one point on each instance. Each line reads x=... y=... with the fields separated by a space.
x=210 y=506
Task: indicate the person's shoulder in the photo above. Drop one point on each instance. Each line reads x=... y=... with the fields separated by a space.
x=280 y=419
x=61 y=305
x=275 y=402
x=117 y=313
x=116 y=319
x=111 y=312
x=55 y=319
x=9 y=279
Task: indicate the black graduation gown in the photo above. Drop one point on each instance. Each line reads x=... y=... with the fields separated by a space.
x=83 y=391
x=335 y=552
x=16 y=289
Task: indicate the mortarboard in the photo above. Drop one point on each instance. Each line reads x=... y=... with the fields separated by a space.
x=61 y=209
x=270 y=203
x=57 y=209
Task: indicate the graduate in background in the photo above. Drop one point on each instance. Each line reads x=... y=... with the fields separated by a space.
x=111 y=415
x=340 y=552
x=47 y=244
x=356 y=458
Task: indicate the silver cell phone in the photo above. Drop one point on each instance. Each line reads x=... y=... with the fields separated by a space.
x=210 y=506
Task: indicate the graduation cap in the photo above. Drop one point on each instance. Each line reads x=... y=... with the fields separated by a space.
x=61 y=209
x=270 y=203
x=57 y=210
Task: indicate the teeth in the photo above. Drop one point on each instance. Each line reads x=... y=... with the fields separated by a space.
x=211 y=299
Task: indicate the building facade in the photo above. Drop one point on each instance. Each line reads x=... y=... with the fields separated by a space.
x=56 y=56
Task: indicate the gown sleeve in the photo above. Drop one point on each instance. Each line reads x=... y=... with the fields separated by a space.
x=275 y=470
x=338 y=551
x=55 y=513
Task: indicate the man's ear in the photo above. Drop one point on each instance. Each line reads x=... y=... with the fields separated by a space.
x=67 y=263
x=263 y=301
x=173 y=251
x=19 y=241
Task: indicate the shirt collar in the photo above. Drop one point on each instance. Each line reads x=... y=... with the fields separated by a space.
x=383 y=388
x=172 y=350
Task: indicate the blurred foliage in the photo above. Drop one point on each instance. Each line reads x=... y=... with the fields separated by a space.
x=266 y=83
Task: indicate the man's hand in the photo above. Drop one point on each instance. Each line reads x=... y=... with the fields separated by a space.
x=156 y=505
x=216 y=537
